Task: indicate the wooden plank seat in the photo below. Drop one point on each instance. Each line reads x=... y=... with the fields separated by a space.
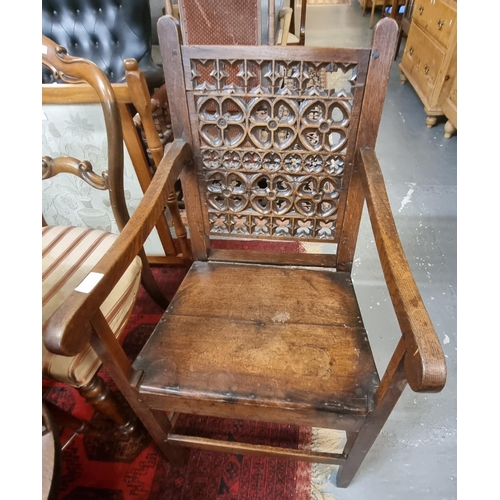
x=268 y=336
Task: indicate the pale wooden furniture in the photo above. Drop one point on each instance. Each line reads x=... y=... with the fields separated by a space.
x=383 y=4
x=449 y=104
x=404 y=25
x=77 y=260
x=429 y=58
x=274 y=145
x=298 y=37
x=365 y=4
x=285 y=37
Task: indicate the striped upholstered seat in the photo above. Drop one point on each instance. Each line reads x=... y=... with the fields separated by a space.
x=68 y=255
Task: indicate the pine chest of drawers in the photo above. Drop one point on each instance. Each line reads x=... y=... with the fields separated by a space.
x=429 y=61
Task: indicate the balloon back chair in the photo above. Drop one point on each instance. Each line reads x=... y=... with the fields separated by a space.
x=75 y=260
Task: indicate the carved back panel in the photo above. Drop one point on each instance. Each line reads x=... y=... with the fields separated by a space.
x=274 y=132
x=274 y=145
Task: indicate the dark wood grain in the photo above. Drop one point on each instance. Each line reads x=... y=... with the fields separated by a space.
x=425 y=363
x=284 y=259
x=304 y=415
x=168 y=34
x=256 y=450
x=139 y=160
x=141 y=100
x=391 y=387
x=263 y=335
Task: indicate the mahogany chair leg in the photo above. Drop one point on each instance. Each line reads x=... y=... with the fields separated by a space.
x=97 y=393
x=118 y=366
x=389 y=391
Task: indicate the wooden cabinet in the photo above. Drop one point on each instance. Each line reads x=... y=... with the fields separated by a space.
x=449 y=104
x=365 y=4
x=429 y=61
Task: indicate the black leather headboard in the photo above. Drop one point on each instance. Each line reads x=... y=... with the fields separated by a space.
x=105 y=32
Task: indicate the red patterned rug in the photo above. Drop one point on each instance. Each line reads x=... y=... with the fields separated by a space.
x=110 y=466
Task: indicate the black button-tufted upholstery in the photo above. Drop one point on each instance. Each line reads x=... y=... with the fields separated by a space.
x=105 y=32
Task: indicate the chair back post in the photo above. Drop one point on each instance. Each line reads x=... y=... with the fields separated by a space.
x=377 y=78
x=169 y=10
x=169 y=35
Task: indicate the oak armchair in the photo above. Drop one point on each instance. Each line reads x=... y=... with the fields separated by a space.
x=274 y=145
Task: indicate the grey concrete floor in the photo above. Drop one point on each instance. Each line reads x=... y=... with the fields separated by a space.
x=415 y=455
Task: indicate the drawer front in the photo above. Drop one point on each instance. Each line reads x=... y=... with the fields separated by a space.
x=422 y=59
x=437 y=18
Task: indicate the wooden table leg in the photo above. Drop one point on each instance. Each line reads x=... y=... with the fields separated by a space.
x=374 y=2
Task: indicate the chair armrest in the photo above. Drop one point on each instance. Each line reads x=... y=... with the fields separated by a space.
x=425 y=365
x=68 y=329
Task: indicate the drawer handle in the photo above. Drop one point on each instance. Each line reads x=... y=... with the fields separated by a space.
x=440 y=24
x=421 y=10
x=411 y=50
x=426 y=69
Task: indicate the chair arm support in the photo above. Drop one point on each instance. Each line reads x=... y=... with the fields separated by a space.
x=68 y=329
x=425 y=365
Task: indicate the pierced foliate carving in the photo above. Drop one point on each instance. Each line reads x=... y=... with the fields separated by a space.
x=274 y=137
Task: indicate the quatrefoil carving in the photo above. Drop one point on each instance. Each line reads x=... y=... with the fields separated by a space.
x=317 y=197
x=227 y=191
x=323 y=137
x=223 y=122
x=285 y=112
x=271 y=195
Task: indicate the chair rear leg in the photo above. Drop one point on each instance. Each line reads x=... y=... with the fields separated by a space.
x=390 y=389
x=158 y=425
x=149 y=283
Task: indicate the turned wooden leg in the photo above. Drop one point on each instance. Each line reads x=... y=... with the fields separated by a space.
x=402 y=78
x=430 y=121
x=118 y=366
x=97 y=393
x=449 y=129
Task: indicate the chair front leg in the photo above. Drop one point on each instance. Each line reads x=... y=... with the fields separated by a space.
x=391 y=387
x=97 y=393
